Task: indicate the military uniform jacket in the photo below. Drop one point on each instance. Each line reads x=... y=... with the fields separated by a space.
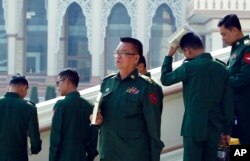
x=18 y=118
x=71 y=134
x=207 y=94
x=239 y=68
x=131 y=110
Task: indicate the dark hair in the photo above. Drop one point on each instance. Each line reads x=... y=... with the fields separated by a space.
x=143 y=61
x=230 y=21
x=191 y=40
x=137 y=44
x=19 y=79
x=71 y=75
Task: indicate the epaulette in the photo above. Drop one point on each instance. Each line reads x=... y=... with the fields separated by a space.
x=31 y=103
x=110 y=75
x=148 y=79
x=186 y=60
x=247 y=42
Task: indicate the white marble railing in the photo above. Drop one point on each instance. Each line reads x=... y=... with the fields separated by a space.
x=232 y=5
x=171 y=116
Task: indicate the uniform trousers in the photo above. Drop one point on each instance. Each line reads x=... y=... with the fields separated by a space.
x=196 y=149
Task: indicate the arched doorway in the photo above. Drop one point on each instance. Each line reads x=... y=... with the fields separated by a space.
x=163 y=26
x=118 y=26
x=77 y=53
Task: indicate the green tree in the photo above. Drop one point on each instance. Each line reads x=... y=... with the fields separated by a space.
x=34 y=95
x=50 y=93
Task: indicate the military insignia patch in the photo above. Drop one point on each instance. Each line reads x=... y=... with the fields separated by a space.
x=153 y=98
x=247 y=58
x=247 y=42
x=132 y=90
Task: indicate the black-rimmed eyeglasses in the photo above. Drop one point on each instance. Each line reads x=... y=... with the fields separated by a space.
x=57 y=82
x=122 y=53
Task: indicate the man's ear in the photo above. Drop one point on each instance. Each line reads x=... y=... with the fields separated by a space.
x=235 y=31
x=66 y=82
x=137 y=59
x=24 y=87
x=187 y=51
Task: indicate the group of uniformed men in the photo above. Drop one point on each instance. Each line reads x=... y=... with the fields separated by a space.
x=129 y=119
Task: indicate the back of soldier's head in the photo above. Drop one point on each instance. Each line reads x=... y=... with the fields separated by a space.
x=230 y=21
x=19 y=79
x=71 y=75
x=191 y=40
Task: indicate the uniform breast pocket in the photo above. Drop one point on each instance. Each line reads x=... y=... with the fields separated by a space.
x=131 y=105
x=105 y=99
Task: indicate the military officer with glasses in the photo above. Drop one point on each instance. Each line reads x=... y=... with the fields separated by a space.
x=130 y=110
x=72 y=138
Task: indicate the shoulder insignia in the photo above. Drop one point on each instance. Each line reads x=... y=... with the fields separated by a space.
x=186 y=61
x=31 y=103
x=247 y=58
x=148 y=79
x=109 y=76
x=247 y=42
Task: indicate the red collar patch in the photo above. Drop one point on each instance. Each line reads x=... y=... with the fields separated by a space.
x=247 y=58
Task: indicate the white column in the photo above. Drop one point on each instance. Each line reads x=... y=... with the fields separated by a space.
x=11 y=35
x=216 y=41
x=97 y=54
x=141 y=25
x=52 y=58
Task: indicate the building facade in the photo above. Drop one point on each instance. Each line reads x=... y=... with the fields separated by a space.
x=39 y=38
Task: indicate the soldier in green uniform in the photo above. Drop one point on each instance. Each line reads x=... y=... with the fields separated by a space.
x=72 y=138
x=142 y=67
x=18 y=118
x=207 y=99
x=239 y=68
x=131 y=110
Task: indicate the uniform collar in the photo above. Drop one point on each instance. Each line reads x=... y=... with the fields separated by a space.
x=132 y=76
x=244 y=40
x=74 y=93
x=202 y=55
x=148 y=74
x=12 y=94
